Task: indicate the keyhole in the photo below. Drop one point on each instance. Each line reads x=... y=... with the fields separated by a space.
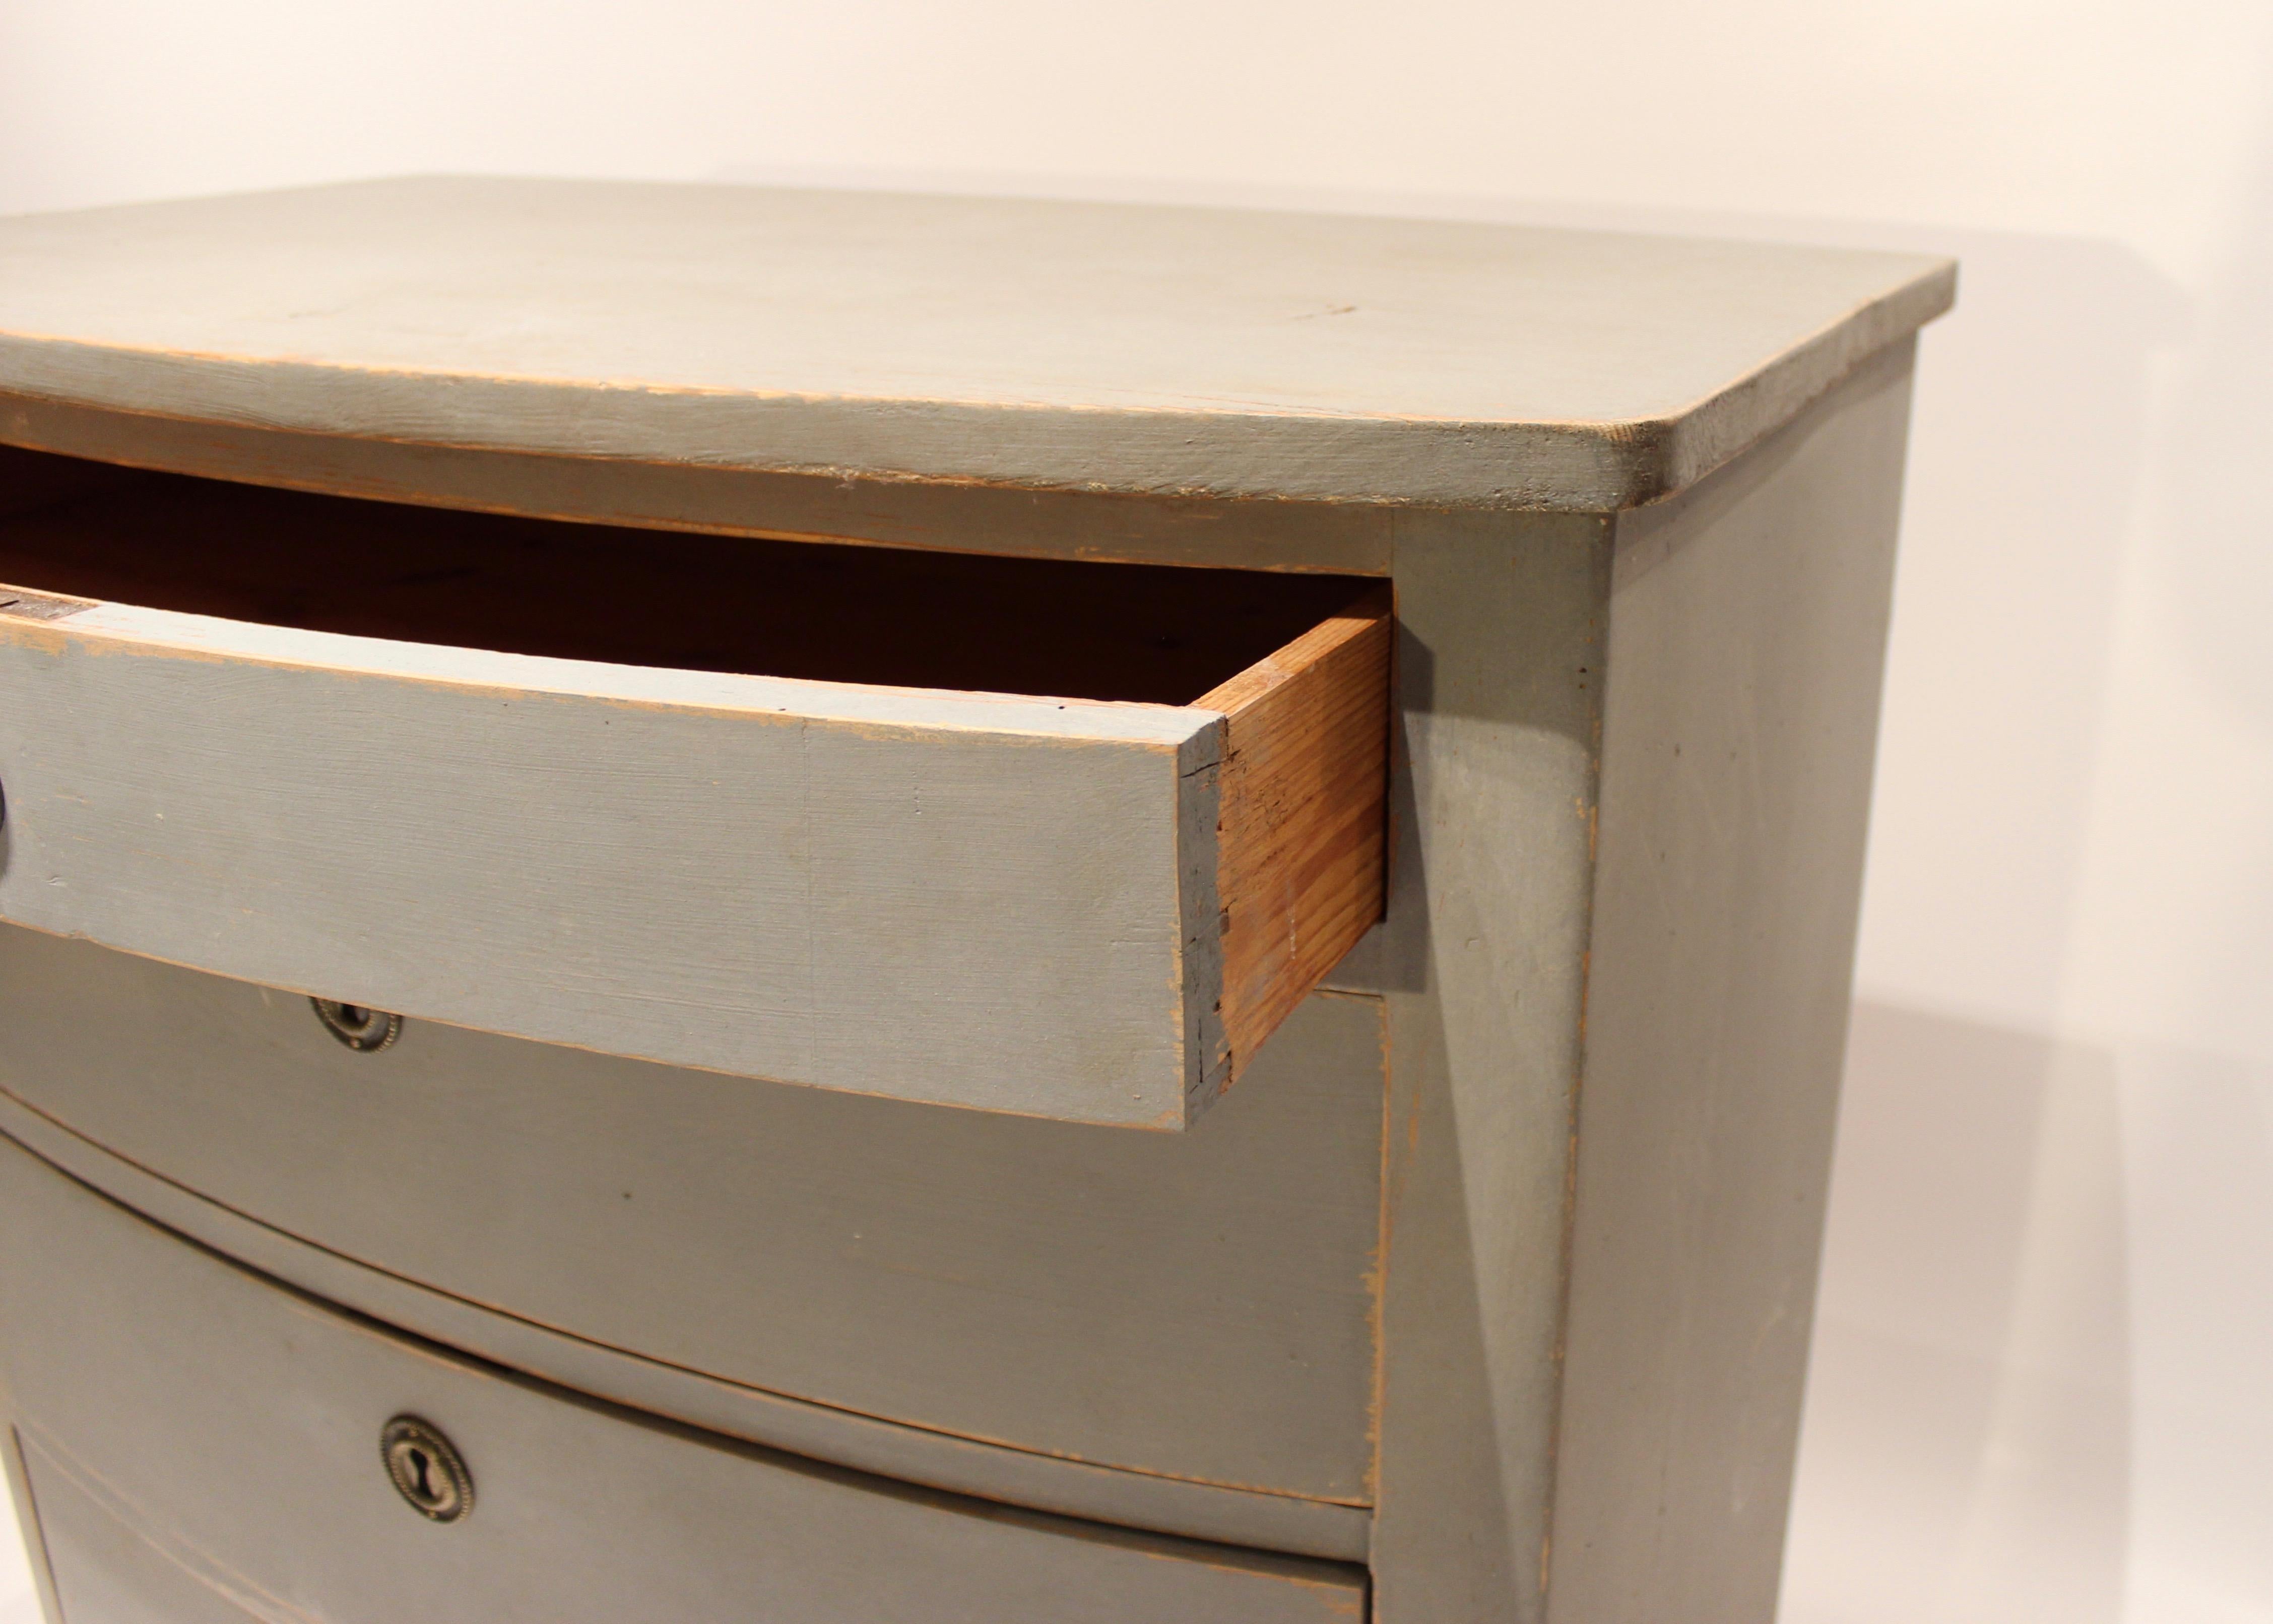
x=429 y=1474
x=362 y=1029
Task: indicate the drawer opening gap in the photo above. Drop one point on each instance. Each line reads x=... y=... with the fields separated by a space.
x=673 y=600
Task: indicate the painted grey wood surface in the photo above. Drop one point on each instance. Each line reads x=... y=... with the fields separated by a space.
x=1350 y=538
x=1613 y=1064
x=27 y=1527
x=965 y=900
x=1482 y=961
x=1592 y=1298
x=118 y=1576
x=1748 y=625
x=147 y=1374
x=1195 y=1307
x=1058 y=1483
x=1092 y=347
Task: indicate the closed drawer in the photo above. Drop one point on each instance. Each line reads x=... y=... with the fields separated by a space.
x=201 y=1444
x=1067 y=840
x=1199 y=1305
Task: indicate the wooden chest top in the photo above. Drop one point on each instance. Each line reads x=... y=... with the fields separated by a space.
x=1022 y=343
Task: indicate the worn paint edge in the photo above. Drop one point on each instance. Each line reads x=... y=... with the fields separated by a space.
x=119 y=628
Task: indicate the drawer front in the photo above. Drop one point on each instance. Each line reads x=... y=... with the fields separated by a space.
x=117 y=1575
x=1199 y=1305
x=233 y=1429
x=970 y=901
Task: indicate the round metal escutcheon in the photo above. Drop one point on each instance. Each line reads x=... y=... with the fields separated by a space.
x=426 y=1469
x=365 y=1030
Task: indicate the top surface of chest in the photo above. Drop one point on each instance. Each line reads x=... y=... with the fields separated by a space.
x=1047 y=345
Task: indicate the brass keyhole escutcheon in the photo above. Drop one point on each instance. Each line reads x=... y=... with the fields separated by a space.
x=426 y=1469
x=363 y=1029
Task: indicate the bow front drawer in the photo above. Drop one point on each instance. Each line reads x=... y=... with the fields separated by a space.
x=245 y=1459
x=1066 y=840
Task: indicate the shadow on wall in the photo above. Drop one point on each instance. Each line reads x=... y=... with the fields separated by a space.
x=1967 y=1451
x=2213 y=578
x=2220 y=503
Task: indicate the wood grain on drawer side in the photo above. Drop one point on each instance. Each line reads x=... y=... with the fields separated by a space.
x=1302 y=821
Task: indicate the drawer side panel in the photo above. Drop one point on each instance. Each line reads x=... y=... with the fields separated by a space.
x=1304 y=816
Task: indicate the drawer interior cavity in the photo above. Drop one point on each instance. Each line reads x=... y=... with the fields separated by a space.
x=822 y=611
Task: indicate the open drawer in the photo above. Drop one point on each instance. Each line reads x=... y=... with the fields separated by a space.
x=1067 y=839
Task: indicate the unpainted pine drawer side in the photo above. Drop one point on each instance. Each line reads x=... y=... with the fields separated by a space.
x=1303 y=821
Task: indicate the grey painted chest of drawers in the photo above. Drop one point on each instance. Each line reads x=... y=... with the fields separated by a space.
x=826 y=908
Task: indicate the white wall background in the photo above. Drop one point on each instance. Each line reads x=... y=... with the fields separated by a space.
x=2043 y=1388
